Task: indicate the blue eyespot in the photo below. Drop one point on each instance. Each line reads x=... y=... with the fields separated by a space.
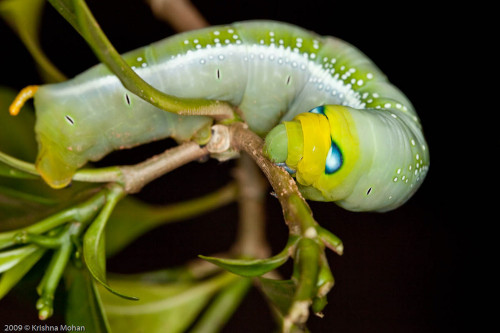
x=333 y=159
x=319 y=110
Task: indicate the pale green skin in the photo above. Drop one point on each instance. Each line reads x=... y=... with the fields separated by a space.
x=272 y=71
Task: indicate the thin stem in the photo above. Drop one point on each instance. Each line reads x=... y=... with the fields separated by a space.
x=81 y=213
x=17 y=164
x=99 y=175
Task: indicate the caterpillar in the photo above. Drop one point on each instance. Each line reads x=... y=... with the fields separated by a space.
x=361 y=145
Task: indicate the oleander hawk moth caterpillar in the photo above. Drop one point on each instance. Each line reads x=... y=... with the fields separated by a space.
x=361 y=145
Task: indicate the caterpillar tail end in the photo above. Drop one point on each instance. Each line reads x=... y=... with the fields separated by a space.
x=276 y=144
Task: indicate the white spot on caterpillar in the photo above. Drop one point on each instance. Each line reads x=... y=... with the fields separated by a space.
x=369 y=76
x=139 y=58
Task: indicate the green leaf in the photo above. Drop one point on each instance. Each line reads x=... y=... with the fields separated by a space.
x=279 y=292
x=9 y=259
x=24 y=16
x=254 y=267
x=168 y=307
x=93 y=241
x=222 y=307
x=249 y=267
x=84 y=306
x=11 y=277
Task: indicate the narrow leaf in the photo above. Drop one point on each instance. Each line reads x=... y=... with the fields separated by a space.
x=84 y=306
x=170 y=307
x=279 y=292
x=249 y=267
x=9 y=259
x=222 y=307
x=254 y=267
x=93 y=241
x=11 y=277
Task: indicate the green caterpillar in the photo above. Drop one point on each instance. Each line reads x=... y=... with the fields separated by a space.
x=361 y=146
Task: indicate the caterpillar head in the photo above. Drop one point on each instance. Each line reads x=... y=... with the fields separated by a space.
x=320 y=148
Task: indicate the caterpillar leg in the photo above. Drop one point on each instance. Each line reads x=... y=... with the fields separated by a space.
x=21 y=98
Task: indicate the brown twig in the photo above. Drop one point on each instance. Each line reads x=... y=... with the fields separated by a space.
x=180 y=14
x=251 y=239
x=136 y=176
x=283 y=184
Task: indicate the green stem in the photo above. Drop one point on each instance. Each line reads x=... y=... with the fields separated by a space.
x=22 y=168
x=80 y=213
x=307 y=262
x=79 y=15
x=99 y=175
x=50 y=280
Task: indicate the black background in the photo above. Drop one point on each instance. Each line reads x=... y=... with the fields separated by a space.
x=402 y=271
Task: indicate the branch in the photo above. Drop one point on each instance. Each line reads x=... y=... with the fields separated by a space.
x=295 y=209
x=135 y=177
x=251 y=240
x=180 y=14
